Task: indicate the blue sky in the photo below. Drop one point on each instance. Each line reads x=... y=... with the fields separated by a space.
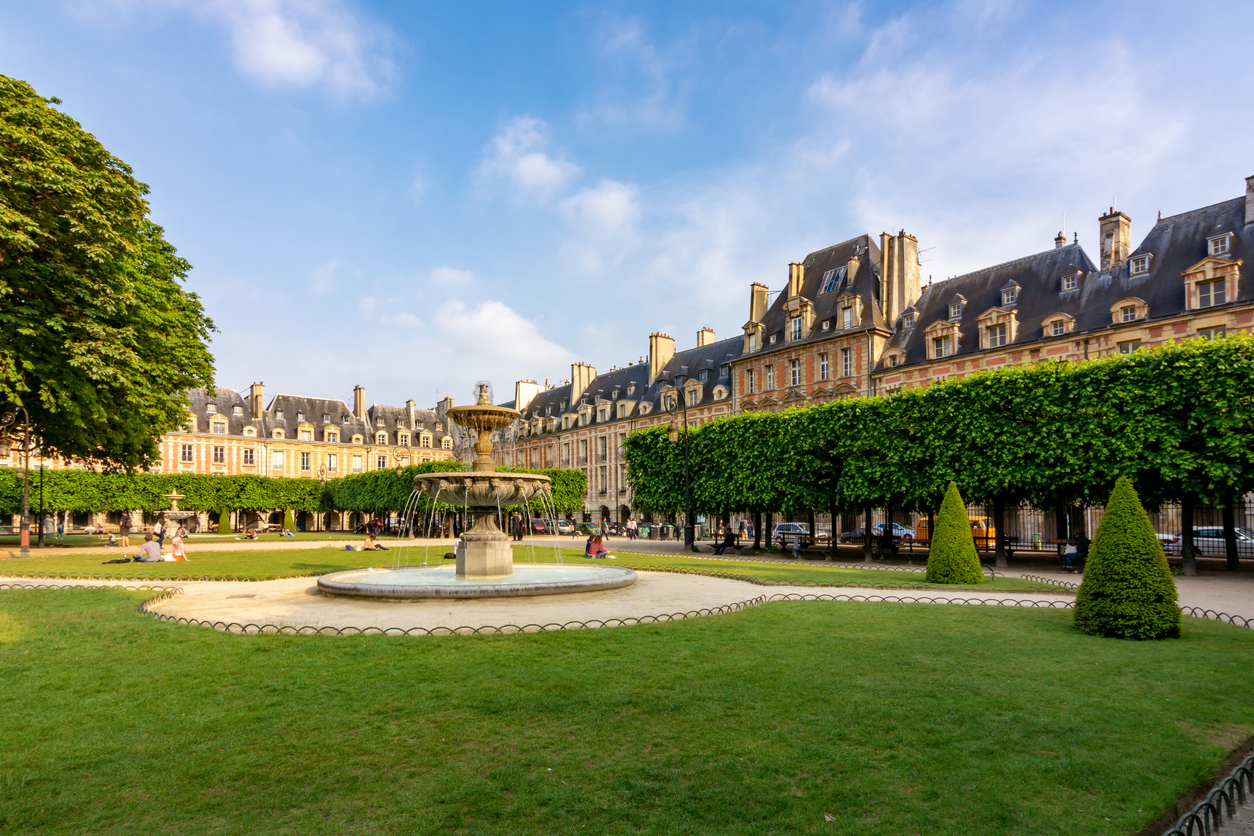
x=413 y=196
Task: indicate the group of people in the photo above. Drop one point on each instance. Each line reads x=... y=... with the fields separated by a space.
x=595 y=548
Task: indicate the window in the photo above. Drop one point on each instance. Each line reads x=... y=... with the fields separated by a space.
x=219 y=428
x=794 y=372
x=426 y=441
x=378 y=422
x=447 y=443
x=402 y=439
x=185 y=453
x=907 y=321
x=723 y=371
x=751 y=381
x=211 y=408
x=846 y=361
x=1140 y=264
x=604 y=479
x=326 y=418
x=278 y=415
x=239 y=410
x=827 y=324
x=996 y=336
x=566 y=455
x=304 y=461
x=333 y=438
x=1129 y=346
x=276 y=460
x=583 y=451
x=1212 y=333
x=694 y=397
x=300 y=416
x=703 y=375
x=955 y=310
x=1071 y=282
x=796 y=328
x=825 y=370
x=602 y=449
x=249 y=456
x=219 y=455
x=631 y=389
x=333 y=462
x=1220 y=245
x=306 y=435
x=381 y=463
x=892 y=360
x=770 y=377
x=772 y=339
x=1127 y=313
x=1009 y=296
x=940 y=347
x=1211 y=293
x=832 y=279
x=1057 y=328
x=848 y=318
x=382 y=438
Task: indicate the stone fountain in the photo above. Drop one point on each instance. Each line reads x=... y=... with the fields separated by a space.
x=173 y=514
x=485 y=560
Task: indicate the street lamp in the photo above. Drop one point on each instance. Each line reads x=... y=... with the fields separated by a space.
x=679 y=405
x=8 y=419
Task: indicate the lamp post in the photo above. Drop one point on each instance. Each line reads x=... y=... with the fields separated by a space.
x=680 y=406
x=8 y=418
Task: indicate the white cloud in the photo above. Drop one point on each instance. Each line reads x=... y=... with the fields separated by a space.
x=519 y=155
x=322 y=277
x=639 y=91
x=449 y=277
x=495 y=333
x=610 y=208
x=367 y=306
x=287 y=43
x=404 y=319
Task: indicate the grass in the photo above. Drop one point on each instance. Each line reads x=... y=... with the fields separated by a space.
x=892 y=719
x=93 y=540
x=260 y=563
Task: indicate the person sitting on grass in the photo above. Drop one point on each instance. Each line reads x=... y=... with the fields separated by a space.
x=287 y=532
x=113 y=541
x=596 y=549
x=729 y=541
x=373 y=545
x=251 y=535
x=150 y=552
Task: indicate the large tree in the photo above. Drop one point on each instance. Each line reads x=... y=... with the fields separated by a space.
x=99 y=340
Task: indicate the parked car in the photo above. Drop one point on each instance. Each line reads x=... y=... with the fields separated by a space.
x=1170 y=543
x=1210 y=541
x=789 y=530
x=899 y=531
x=538 y=526
x=981 y=529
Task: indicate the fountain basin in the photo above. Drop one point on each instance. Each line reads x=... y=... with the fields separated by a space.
x=482 y=490
x=528 y=579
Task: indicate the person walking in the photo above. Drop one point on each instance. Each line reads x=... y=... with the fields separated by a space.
x=740 y=531
x=158 y=531
x=631 y=528
x=124 y=530
x=60 y=527
x=516 y=525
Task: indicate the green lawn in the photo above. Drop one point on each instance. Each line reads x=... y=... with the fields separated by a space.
x=258 y=563
x=893 y=719
x=91 y=540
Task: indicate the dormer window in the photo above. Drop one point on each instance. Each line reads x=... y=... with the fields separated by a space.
x=219 y=428
x=724 y=371
x=631 y=389
x=402 y=439
x=211 y=408
x=333 y=438
x=1070 y=281
x=796 y=328
x=1211 y=293
x=1127 y=313
x=326 y=418
x=239 y=410
x=1009 y=296
x=1140 y=264
x=955 y=310
x=381 y=438
x=278 y=415
x=300 y=416
x=379 y=422
x=1219 y=244
x=832 y=279
x=907 y=320
x=940 y=347
x=848 y=321
x=827 y=324
x=995 y=336
x=772 y=339
x=704 y=374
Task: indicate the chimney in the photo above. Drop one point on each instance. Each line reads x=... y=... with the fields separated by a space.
x=581 y=377
x=1115 y=232
x=525 y=392
x=661 y=350
x=1249 y=200
x=899 y=266
x=256 y=399
x=796 y=275
x=1060 y=241
x=359 y=403
x=705 y=337
x=757 y=301
x=411 y=413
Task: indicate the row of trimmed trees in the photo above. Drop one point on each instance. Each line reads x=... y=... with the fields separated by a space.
x=1177 y=420
x=375 y=493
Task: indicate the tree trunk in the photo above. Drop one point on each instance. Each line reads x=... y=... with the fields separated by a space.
x=999 y=524
x=1230 y=537
x=931 y=530
x=834 y=533
x=866 y=536
x=757 y=530
x=770 y=536
x=1187 y=549
x=810 y=518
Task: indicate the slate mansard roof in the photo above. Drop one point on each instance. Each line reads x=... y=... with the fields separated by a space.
x=1174 y=244
x=224 y=407
x=819 y=267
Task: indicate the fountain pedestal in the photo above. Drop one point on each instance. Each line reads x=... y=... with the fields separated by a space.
x=484 y=551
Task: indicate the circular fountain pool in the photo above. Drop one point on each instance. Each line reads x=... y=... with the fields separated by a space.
x=444 y=582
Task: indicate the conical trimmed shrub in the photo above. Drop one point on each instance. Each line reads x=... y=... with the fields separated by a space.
x=289 y=521
x=952 y=558
x=224 y=522
x=1127 y=592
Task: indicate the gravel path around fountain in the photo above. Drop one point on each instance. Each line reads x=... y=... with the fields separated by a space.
x=296 y=602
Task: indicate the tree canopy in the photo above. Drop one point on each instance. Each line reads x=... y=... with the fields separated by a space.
x=99 y=340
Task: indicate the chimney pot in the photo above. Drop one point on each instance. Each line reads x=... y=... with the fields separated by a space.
x=1249 y=200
